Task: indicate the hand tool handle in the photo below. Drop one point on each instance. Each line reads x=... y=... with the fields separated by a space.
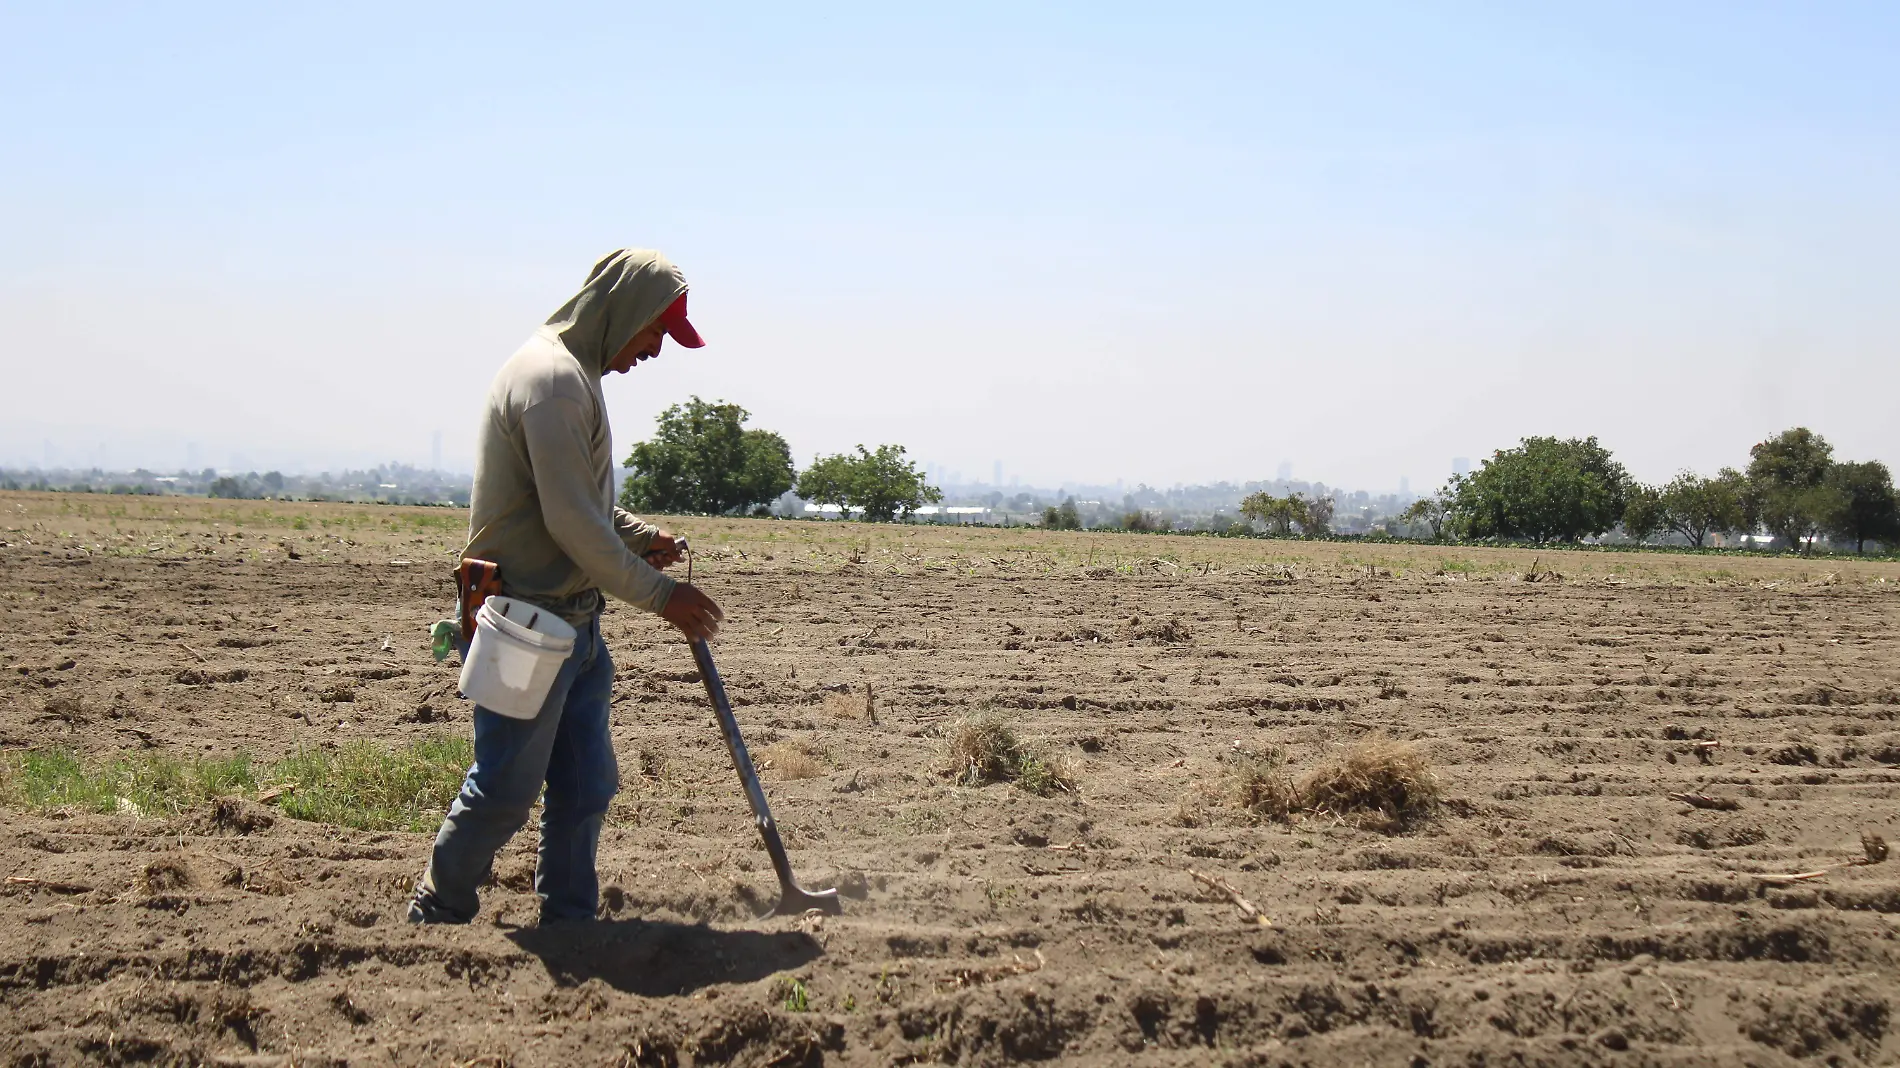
x=748 y=776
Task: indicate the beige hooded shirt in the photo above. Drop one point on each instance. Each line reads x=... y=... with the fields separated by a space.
x=543 y=502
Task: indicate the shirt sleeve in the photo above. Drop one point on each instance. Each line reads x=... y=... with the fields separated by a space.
x=577 y=518
x=635 y=533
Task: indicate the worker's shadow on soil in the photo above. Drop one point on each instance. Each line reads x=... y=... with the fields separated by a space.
x=657 y=959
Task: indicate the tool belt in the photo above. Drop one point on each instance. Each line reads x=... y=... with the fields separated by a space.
x=475 y=581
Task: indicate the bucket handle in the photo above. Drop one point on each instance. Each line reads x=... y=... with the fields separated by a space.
x=532 y=620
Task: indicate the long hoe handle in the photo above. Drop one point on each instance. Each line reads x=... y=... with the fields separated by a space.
x=793 y=899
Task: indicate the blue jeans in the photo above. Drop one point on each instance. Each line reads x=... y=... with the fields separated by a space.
x=569 y=748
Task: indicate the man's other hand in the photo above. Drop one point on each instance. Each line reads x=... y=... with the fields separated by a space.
x=663 y=551
x=692 y=612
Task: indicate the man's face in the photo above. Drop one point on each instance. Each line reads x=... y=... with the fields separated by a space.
x=642 y=346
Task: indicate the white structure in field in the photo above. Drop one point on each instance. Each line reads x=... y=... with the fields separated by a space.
x=957 y=512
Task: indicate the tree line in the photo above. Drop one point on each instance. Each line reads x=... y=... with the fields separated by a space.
x=1565 y=490
x=702 y=458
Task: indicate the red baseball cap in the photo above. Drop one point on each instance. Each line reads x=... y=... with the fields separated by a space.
x=681 y=331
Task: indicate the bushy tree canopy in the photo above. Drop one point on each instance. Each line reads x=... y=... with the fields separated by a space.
x=1863 y=508
x=1642 y=513
x=1281 y=514
x=883 y=485
x=1696 y=507
x=1063 y=517
x=1787 y=485
x=703 y=459
x=1546 y=489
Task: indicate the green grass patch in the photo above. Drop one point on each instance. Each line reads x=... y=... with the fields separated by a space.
x=145 y=784
x=360 y=784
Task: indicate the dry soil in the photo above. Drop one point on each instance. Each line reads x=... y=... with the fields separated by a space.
x=1561 y=907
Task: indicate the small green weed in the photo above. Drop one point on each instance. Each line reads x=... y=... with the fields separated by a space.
x=998 y=896
x=984 y=749
x=795 y=997
x=922 y=819
x=1043 y=776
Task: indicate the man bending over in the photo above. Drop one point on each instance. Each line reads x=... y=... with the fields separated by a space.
x=543 y=510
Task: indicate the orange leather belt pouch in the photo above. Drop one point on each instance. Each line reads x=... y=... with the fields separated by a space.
x=475 y=581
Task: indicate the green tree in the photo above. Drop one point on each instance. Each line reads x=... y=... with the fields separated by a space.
x=882 y=484
x=1315 y=514
x=701 y=458
x=1864 y=507
x=1544 y=490
x=1435 y=511
x=227 y=487
x=1696 y=507
x=1065 y=517
x=1642 y=513
x=1787 y=476
x=1795 y=457
x=1278 y=513
x=1797 y=515
x=829 y=481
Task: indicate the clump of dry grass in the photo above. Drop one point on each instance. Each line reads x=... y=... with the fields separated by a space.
x=1377 y=780
x=1160 y=632
x=1043 y=775
x=788 y=760
x=1262 y=786
x=845 y=704
x=984 y=749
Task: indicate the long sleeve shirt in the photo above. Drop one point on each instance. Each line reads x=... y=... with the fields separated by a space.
x=543 y=502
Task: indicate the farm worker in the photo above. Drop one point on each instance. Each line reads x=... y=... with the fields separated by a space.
x=543 y=510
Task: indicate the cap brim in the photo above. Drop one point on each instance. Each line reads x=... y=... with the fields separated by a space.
x=682 y=332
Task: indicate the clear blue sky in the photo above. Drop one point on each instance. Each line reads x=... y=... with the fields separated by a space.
x=1162 y=243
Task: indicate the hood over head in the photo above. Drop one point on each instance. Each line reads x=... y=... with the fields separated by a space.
x=624 y=293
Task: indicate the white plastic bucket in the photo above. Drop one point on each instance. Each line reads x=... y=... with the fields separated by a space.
x=517 y=652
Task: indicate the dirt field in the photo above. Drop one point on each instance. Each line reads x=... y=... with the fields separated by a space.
x=1559 y=909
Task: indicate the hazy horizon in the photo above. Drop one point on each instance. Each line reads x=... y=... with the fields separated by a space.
x=1093 y=242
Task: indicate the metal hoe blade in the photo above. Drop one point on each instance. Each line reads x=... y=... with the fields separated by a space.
x=793 y=899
